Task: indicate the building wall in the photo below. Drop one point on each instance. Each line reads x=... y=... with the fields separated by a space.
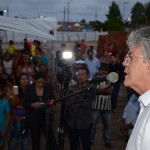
x=117 y=38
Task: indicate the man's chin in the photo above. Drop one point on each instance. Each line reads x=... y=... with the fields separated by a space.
x=126 y=83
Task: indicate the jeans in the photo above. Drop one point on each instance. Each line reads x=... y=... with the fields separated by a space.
x=105 y=117
x=83 y=134
x=16 y=134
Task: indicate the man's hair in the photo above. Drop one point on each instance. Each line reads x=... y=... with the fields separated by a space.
x=84 y=68
x=89 y=50
x=140 y=37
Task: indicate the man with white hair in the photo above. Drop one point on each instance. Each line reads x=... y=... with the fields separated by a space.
x=137 y=76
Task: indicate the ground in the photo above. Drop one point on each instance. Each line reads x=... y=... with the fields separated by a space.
x=117 y=140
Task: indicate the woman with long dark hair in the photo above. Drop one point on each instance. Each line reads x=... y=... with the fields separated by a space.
x=18 y=115
x=36 y=94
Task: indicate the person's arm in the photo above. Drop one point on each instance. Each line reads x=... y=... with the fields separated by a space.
x=105 y=90
x=27 y=103
x=7 y=124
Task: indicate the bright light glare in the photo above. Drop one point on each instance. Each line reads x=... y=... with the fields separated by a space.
x=67 y=55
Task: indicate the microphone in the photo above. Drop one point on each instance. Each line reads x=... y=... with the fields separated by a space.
x=111 y=77
x=49 y=103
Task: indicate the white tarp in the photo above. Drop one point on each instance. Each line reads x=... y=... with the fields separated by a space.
x=40 y=27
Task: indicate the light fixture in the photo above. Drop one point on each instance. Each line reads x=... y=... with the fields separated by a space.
x=67 y=55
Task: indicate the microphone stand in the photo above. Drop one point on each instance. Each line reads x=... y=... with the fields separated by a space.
x=93 y=86
x=49 y=110
x=61 y=136
x=61 y=122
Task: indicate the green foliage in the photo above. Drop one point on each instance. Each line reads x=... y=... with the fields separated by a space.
x=83 y=21
x=147 y=12
x=96 y=25
x=114 y=22
x=114 y=11
x=138 y=16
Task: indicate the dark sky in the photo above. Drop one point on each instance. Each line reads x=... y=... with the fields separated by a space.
x=78 y=9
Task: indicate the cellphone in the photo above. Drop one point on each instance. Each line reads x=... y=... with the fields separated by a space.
x=15 y=90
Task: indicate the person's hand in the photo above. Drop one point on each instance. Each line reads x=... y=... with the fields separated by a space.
x=3 y=133
x=124 y=129
x=35 y=105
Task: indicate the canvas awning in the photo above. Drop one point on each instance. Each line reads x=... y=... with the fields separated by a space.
x=41 y=27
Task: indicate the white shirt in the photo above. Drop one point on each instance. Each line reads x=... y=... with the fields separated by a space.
x=140 y=137
x=8 y=66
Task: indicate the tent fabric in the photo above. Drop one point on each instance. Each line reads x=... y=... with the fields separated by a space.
x=41 y=27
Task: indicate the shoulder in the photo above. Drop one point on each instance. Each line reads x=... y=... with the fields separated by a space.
x=5 y=101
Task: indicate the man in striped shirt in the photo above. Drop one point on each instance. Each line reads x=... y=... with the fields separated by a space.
x=101 y=107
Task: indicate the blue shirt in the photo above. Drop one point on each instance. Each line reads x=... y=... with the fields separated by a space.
x=4 y=108
x=92 y=65
x=131 y=111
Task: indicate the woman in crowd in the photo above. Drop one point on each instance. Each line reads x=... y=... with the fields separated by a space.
x=36 y=94
x=18 y=117
x=44 y=68
x=26 y=67
x=9 y=90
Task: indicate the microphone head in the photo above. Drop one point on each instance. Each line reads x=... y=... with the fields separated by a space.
x=112 y=77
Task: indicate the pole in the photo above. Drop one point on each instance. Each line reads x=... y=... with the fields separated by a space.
x=68 y=12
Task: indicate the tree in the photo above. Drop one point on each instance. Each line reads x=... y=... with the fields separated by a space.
x=138 y=17
x=96 y=25
x=147 y=12
x=83 y=21
x=114 y=22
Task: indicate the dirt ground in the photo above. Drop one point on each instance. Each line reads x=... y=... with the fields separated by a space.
x=117 y=140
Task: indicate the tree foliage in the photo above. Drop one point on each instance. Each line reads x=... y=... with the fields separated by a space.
x=114 y=22
x=147 y=12
x=114 y=12
x=138 y=16
x=96 y=25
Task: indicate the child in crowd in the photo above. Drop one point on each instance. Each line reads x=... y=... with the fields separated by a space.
x=4 y=116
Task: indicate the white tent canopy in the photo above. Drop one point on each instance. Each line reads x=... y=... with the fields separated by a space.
x=41 y=27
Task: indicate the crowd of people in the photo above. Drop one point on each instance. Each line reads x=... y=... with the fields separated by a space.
x=25 y=86
x=21 y=71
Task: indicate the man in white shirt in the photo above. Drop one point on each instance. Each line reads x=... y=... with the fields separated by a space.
x=137 y=76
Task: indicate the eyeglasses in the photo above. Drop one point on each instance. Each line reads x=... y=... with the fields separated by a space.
x=130 y=56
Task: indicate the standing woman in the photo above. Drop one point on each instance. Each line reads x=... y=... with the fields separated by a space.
x=18 y=117
x=36 y=93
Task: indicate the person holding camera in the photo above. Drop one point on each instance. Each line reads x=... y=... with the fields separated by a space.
x=18 y=116
x=36 y=95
